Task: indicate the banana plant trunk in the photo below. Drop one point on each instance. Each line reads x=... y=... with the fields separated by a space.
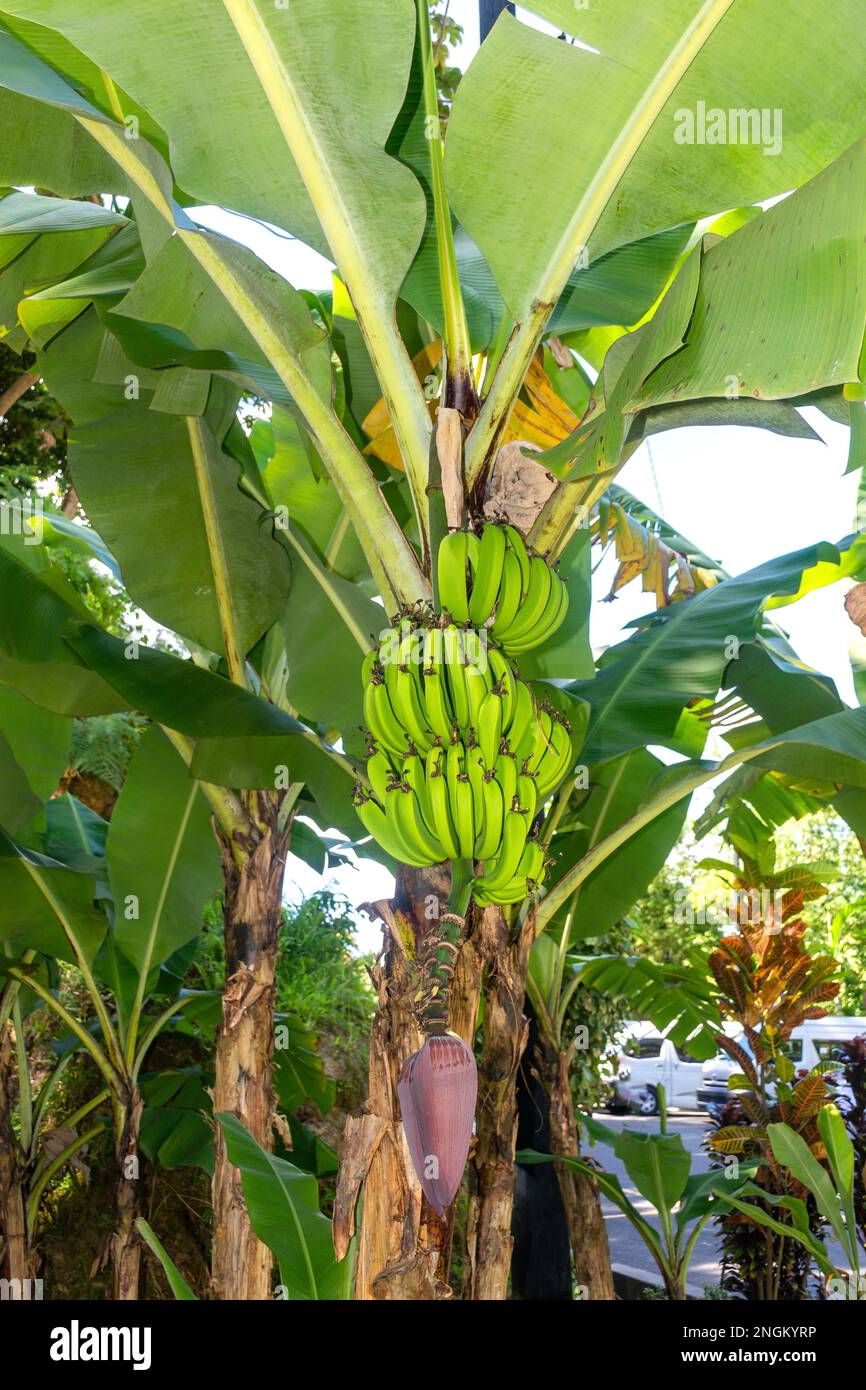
x=580 y=1194
x=489 y=1239
x=16 y=1257
x=253 y=876
x=403 y=1247
x=125 y=1243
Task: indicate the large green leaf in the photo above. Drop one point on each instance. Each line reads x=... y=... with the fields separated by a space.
x=34 y=747
x=599 y=446
x=328 y=624
x=616 y=789
x=287 y=91
x=175 y=313
x=46 y=259
x=674 y=998
x=531 y=210
x=263 y=743
x=679 y=655
x=328 y=53
x=781 y=308
x=827 y=750
x=658 y=1165
x=178 y=693
x=299 y=1075
x=32 y=214
x=702 y=1191
x=797 y=1229
x=792 y=1151
x=149 y=480
x=163 y=861
x=840 y=1156
x=283 y=1206
x=45 y=906
x=784 y=692
x=36 y=604
x=311 y=502
x=176 y=1130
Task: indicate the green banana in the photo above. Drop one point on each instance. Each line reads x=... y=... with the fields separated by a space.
x=455 y=675
x=367 y=666
x=532 y=861
x=475 y=773
x=460 y=798
x=490 y=727
x=555 y=762
x=436 y=704
x=473 y=550
x=478 y=684
x=514 y=835
x=504 y=677
x=410 y=825
x=527 y=795
x=505 y=772
x=554 y=612
x=487 y=845
x=414 y=772
x=451 y=569
x=521 y=731
x=533 y=605
x=513 y=892
x=437 y=789
x=381 y=719
x=409 y=710
x=385 y=833
x=488 y=574
x=541 y=741
x=432 y=649
x=517 y=545
x=380 y=771
x=510 y=594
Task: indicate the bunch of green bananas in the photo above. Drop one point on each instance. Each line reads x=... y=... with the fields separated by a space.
x=495 y=577
x=422 y=689
x=450 y=804
x=461 y=756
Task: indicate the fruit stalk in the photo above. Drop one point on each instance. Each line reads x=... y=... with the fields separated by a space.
x=442 y=944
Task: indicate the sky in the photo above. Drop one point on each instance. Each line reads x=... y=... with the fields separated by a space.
x=742 y=495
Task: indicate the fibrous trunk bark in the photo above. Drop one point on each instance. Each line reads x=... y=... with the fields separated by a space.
x=253 y=876
x=491 y=1164
x=16 y=1258
x=403 y=1247
x=580 y=1194
x=125 y=1244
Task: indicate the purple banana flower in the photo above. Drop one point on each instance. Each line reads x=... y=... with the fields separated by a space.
x=437 y=1090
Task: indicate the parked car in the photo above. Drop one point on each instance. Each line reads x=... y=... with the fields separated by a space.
x=647 y=1058
x=814 y=1043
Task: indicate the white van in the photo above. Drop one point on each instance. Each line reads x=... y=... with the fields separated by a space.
x=814 y=1042
x=648 y=1058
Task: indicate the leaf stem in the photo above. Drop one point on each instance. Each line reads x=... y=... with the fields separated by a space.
x=459 y=384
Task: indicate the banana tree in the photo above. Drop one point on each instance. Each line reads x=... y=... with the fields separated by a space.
x=157 y=330
x=115 y=903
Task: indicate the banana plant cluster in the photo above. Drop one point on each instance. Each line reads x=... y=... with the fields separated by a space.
x=429 y=242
